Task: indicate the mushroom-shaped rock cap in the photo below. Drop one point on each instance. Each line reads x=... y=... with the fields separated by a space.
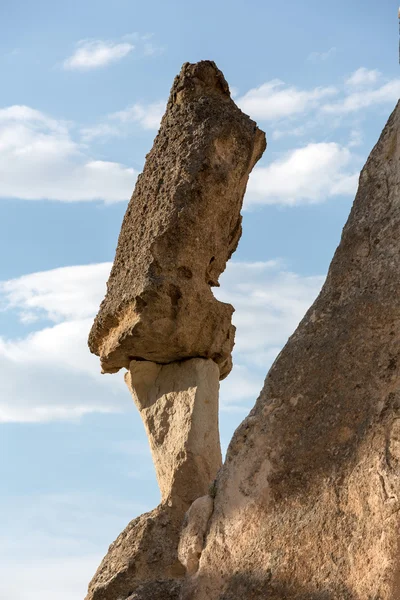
x=181 y=226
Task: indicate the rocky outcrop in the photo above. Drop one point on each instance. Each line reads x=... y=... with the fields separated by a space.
x=143 y=562
x=307 y=505
x=161 y=321
x=181 y=226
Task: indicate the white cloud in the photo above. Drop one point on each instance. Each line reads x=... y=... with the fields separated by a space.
x=61 y=379
x=49 y=374
x=309 y=174
x=363 y=76
x=275 y=100
x=269 y=302
x=92 y=54
x=355 y=101
x=60 y=294
x=101 y=130
x=147 y=116
x=40 y=160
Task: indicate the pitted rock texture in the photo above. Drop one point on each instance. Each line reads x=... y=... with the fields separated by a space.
x=182 y=225
x=178 y=404
x=308 y=502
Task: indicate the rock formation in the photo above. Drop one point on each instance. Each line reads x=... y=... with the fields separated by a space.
x=161 y=321
x=307 y=505
x=181 y=226
x=178 y=404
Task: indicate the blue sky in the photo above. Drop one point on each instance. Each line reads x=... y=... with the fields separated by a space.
x=83 y=87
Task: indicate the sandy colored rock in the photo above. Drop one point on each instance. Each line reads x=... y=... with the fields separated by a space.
x=143 y=561
x=158 y=590
x=182 y=225
x=179 y=407
x=308 y=502
x=178 y=404
x=193 y=533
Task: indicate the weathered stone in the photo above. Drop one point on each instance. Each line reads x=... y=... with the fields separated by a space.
x=181 y=226
x=142 y=560
x=158 y=590
x=308 y=502
x=179 y=407
x=193 y=533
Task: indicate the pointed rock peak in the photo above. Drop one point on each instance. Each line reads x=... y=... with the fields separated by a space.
x=198 y=79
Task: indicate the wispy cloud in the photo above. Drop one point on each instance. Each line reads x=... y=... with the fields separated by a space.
x=149 y=116
x=280 y=103
x=385 y=94
x=146 y=116
x=363 y=77
x=269 y=302
x=274 y=100
x=322 y=56
x=40 y=160
x=92 y=54
x=145 y=43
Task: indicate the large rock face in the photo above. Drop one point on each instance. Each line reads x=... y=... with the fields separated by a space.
x=181 y=226
x=308 y=502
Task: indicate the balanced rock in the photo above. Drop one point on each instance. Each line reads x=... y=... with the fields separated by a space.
x=182 y=225
x=178 y=404
x=179 y=407
x=307 y=505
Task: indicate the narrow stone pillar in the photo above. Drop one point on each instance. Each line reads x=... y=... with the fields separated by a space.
x=178 y=403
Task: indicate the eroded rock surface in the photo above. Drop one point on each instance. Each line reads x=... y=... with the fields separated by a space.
x=179 y=407
x=181 y=226
x=178 y=404
x=308 y=502
x=143 y=562
x=193 y=533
